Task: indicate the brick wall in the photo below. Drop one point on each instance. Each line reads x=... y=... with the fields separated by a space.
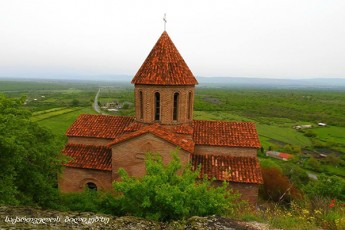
x=218 y=150
x=89 y=141
x=130 y=154
x=75 y=179
x=249 y=192
x=167 y=103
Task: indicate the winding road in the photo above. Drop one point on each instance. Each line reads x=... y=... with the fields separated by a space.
x=95 y=102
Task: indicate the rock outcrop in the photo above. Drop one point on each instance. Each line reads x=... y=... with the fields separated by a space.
x=12 y=217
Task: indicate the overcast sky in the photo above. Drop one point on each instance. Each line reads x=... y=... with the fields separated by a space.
x=229 y=38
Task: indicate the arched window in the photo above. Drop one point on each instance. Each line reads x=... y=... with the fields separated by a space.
x=91 y=186
x=190 y=106
x=157 y=106
x=141 y=105
x=175 y=112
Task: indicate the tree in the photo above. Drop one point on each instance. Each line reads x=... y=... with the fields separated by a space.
x=163 y=194
x=125 y=106
x=75 y=102
x=28 y=157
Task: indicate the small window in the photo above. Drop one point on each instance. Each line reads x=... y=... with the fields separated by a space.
x=91 y=186
x=157 y=106
x=141 y=105
x=190 y=106
x=175 y=112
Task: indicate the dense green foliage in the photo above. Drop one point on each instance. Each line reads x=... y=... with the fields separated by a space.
x=89 y=201
x=326 y=186
x=163 y=194
x=29 y=157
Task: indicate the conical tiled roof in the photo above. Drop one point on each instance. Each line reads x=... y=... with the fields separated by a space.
x=164 y=66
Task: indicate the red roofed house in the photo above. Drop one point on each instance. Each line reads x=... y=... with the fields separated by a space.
x=164 y=95
x=279 y=155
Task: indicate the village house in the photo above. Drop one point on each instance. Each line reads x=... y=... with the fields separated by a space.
x=164 y=89
x=279 y=155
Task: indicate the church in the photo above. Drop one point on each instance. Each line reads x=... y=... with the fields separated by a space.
x=164 y=89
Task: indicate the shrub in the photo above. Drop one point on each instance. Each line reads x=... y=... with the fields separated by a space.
x=313 y=164
x=269 y=163
x=163 y=194
x=90 y=201
x=296 y=174
x=277 y=187
x=310 y=133
x=326 y=186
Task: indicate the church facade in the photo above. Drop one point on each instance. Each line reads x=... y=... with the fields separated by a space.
x=164 y=88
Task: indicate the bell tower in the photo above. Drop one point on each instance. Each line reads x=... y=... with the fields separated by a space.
x=164 y=86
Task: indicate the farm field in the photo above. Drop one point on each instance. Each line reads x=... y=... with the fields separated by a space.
x=58 y=124
x=50 y=113
x=56 y=105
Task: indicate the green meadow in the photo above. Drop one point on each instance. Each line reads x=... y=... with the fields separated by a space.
x=59 y=123
x=55 y=105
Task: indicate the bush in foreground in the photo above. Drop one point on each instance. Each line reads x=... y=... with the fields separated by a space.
x=162 y=194
x=90 y=201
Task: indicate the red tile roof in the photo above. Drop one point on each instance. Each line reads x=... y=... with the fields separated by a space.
x=100 y=126
x=159 y=131
x=183 y=129
x=164 y=66
x=221 y=133
x=134 y=126
x=285 y=155
x=228 y=168
x=88 y=156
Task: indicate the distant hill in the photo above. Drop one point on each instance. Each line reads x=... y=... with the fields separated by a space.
x=223 y=82
x=321 y=83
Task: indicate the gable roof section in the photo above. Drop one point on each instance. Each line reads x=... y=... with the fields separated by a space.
x=88 y=156
x=164 y=66
x=228 y=168
x=221 y=133
x=183 y=129
x=100 y=126
x=160 y=132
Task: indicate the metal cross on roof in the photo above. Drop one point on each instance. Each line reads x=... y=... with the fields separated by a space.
x=165 y=21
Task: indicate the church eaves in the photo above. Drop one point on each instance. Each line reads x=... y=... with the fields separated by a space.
x=164 y=66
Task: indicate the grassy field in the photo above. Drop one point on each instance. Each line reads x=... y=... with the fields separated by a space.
x=283 y=135
x=56 y=105
x=332 y=135
x=50 y=113
x=58 y=124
